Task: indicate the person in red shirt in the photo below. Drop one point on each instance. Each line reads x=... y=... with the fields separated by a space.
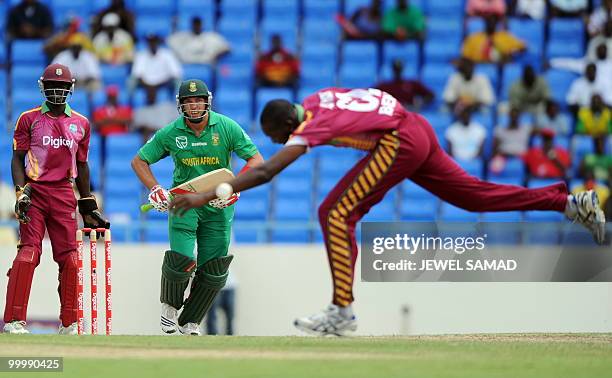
x=278 y=67
x=50 y=148
x=400 y=145
x=112 y=117
x=411 y=93
x=547 y=161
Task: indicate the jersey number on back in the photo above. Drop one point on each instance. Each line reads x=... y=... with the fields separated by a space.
x=361 y=100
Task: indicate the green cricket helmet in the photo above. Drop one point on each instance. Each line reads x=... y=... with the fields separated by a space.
x=193 y=88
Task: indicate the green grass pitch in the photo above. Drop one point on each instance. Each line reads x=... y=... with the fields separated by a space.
x=490 y=356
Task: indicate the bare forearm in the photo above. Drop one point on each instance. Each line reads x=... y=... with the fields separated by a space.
x=18 y=168
x=144 y=173
x=82 y=180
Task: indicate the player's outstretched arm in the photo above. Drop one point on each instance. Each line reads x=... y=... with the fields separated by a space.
x=256 y=176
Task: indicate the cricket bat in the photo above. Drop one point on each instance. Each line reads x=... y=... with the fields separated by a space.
x=203 y=183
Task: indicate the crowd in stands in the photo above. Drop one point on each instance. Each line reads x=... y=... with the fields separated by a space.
x=505 y=84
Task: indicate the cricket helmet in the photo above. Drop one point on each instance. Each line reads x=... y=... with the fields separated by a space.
x=193 y=88
x=56 y=84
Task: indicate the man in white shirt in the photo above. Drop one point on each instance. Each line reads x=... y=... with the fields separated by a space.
x=583 y=88
x=605 y=38
x=599 y=17
x=112 y=44
x=156 y=66
x=196 y=46
x=82 y=63
x=464 y=88
x=465 y=137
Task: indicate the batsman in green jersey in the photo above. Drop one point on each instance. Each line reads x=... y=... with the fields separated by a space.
x=198 y=141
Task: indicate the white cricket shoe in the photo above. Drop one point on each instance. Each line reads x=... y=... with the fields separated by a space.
x=16 y=327
x=584 y=208
x=70 y=330
x=327 y=322
x=168 y=319
x=190 y=329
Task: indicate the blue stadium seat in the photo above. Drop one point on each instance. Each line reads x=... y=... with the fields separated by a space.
x=323 y=54
x=264 y=95
x=357 y=75
x=239 y=10
x=407 y=52
x=419 y=210
x=290 y=236
x=474 y=25
x=320 y=31
x=452 y=213
x=491 y=71
x=28 y=51
x=440 y=28
x=251 y=209
x=567 y=29
x=303 y=168
x=362 y=52
x=384 y=211
x=582 y=145
x=315 y=75
x=63 y=10
x=239 y=30
x=286 y=28
x=294 y=209
x=438 y=120
x=530 y=31
x=123 y=145
x=442 y=51
x=114 y=74
x=159 y=8
x=436 y=75
x=198 y=71
x=281 y=9
x=146 y=24
x=234 y=74
x=511 y=73
x=473 y=167
x=320 y=9
x=449 y=8
x=514 y=168
x=350 y=6
x=502 y=216
x=570 y=48
x=207 y=15
x=559 y=82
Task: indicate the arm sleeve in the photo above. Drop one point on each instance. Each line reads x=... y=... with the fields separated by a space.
x=242 y=144
x=83 y=150
x=154 y=150
x=21 y=136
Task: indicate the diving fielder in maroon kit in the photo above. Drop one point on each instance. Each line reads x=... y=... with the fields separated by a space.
x=401 y=145
x=50 y=148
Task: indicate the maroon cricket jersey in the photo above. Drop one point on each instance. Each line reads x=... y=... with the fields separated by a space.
x=342 y=117
x=54 y=144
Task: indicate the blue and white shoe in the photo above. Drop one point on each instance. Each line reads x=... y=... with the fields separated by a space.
x=16 y=327
x=168 y=319
x=584 y=208
x=327 y=322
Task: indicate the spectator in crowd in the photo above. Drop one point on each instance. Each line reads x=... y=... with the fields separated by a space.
x=530 y=92
x=534 y=9
x=112 y=44
x=491 y=45
x=466 y=89
x=197 y=46
x=602 y=190
x=568 y=8
x=595 y=119
x=599 y=17
x=583 y=88
x=604 y=71
x=154 y=115
x=112 y=117
x=403 y=22
x=607 y=208
x=62 y=40
x=156 y=67
x=547 y=161
x=411 y=93
x=83 y=64
x=465 y=137
x=126 y=18
x=226 y=303
x=29 y=19
x=484 y=8
x=605 y=38
x=552 y=118
x=599 y=162
x=512 y=140
x=277 y=67
x=365 y=23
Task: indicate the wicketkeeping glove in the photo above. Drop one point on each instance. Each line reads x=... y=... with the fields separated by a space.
x=24 y=201
x=219 y=203
x=92 y=218
x=159 y=198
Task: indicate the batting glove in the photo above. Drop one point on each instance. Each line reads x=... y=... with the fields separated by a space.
x=223 y=203
x=92 y=217
x=23 y=203
x=159 y=198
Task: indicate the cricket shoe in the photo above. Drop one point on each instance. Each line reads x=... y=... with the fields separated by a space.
x=168 y=319
x=70 y=330
x=190 y=329
x=327 y=322
x=16 y=327
x=584 y=208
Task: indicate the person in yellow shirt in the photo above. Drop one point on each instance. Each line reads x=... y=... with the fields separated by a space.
x=596 y=119
x=491 y=45
x=591 y=184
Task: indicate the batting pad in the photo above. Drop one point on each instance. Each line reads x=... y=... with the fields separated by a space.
x=176 y=271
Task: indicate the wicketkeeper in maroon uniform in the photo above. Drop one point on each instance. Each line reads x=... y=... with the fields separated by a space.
x=50 y=148
x=401 y=145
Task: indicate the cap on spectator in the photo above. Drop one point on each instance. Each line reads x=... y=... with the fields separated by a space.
x=112 y=90
x=110 y=19
x=547 y=133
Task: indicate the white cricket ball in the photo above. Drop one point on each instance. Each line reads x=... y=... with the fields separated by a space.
x=224 y=191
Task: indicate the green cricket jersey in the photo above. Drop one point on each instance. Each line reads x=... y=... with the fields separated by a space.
x=194 y=156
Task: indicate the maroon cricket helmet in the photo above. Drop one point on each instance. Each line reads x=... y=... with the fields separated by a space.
x=50 y=87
